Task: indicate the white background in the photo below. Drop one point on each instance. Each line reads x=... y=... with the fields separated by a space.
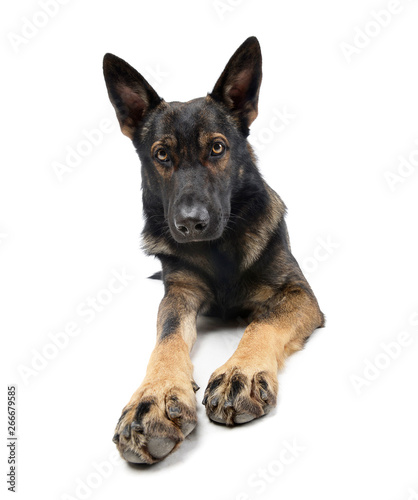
x=60 y=241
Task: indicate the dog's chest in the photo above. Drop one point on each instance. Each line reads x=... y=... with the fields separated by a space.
x=226 y=282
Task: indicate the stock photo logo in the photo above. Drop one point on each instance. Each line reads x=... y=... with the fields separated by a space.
x=384 y=358
x=259 y=482
x=280 y=120
x=413 y=494
x=94 y=478
x=35 y=23
x=325 y=248
x=3 y=238
x=377 y=22
x=87 y=311
x=76 y=154
x=224 y=8
x=89 y=140
x=405 y=169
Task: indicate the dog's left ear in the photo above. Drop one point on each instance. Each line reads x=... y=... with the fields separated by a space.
x=239 y=84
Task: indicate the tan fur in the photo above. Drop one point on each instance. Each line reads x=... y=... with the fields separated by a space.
x=168 y=383
x=262 y=351
x=153 y=245
x=255 y=240
x=184 y=298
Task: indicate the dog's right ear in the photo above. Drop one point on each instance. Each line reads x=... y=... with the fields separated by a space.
x=131 y=95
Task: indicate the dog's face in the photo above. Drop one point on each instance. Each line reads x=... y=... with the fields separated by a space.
x=191 y=153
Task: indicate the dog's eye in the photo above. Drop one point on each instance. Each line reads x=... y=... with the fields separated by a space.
x=217 y=149
x=162 y=155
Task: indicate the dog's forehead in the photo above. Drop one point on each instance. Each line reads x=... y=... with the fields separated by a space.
x=189 y=119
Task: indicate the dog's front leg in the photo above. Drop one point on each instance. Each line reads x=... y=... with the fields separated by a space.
x=246 y=386
x=162 y=411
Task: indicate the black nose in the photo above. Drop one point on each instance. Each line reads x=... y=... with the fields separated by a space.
x=192 y=221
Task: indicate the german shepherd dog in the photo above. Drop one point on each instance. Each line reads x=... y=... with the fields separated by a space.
x=219 y=231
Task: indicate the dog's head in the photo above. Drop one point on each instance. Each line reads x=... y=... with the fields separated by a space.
x=194 y=155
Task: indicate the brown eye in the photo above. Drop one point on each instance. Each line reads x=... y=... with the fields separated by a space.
x=162 y=155
x=217 y=149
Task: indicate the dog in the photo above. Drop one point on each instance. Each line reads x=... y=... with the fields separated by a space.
x=219 y=231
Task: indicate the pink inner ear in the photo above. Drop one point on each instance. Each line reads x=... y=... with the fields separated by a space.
x=135 y=102
x=240 y=85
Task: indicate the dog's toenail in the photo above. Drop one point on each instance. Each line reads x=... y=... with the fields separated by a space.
x=136 y=427
x=126 y=433
x=115 y=438
x=263 y=394
x=214 y=402
x=228 y=404
x=174 y=411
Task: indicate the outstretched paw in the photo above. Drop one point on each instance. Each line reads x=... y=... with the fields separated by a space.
x=155 y=422
x=234 y=396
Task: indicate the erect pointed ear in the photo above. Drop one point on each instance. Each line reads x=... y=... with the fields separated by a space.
x=239 y=84
x=131 y=95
